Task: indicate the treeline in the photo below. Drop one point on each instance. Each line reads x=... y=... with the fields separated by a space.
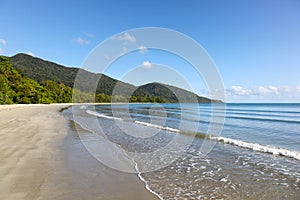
x=16 y=88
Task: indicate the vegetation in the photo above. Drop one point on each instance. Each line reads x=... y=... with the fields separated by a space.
x=16 y=88
x=25 y=79
x=170 y=93
x=41 y=70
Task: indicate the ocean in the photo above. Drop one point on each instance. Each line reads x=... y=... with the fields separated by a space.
x=199 y=151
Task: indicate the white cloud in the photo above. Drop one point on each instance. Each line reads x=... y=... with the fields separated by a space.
x=31 y=54
x=147 y=65
x=286 y=88
x=262 y=90
x=90 y=35
x=123 y=51
x=3 y=42
x=126 y=37
x=239 y=91
x=142 y=49
x=268 y=90
x=81 y=41
x=1 y=50
x=257 y=91
x=298 y=88
x=264 y=93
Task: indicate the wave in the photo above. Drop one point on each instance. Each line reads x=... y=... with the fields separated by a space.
x=158 y=126
x=243 y=118
x=264 y=119
x=253 y=146
x=265 y=111
x=252 y=118
x=134 y=121
x=251 y=110
x=259 y=147
x=260 y=113
x=101 y=115
x=139 y=174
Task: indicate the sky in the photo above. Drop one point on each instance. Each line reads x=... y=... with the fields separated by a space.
x=255 y=45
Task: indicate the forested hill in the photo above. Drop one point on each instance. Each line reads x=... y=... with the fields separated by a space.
x=172 y=93
x=49 y=82
x=41 y=70
x=16 y=88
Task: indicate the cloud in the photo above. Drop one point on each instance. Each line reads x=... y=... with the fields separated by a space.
x=258 y=91
x=126 y=37
x=81 y=41
x=1 y=50
x=30 y=53
x=90 y=35
x=142 y=49
x=239 y=91
x=298 y=88
x=147 y=65
x=268 y=90
x=264 y=93
x=3 y=42
x=286 y=89
x=123 y=51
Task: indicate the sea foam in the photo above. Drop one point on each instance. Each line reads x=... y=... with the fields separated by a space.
x=253 y=146
x=101 y=115
x=259 y=147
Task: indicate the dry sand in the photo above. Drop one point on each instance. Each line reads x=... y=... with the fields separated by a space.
x=40 y=158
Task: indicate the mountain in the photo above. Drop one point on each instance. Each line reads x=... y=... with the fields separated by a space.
x=42 y=70
x=172 y=93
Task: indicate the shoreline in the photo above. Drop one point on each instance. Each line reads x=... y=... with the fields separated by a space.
x=42 y=159
x=133 y=166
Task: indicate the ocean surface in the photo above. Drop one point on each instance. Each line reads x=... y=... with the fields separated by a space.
x=200 y=151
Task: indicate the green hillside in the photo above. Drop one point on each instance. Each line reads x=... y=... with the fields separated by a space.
x=41 y=70
x=54 y=83
x=16 y=88
x=170 y=93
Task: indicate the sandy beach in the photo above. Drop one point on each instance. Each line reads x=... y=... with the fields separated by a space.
x=42 y=159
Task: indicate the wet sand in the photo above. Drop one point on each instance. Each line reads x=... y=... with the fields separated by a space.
x=41 y=158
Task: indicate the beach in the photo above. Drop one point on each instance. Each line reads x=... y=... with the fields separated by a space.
x=43 y=154
x=41 y=158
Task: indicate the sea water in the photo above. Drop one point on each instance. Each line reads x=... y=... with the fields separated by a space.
x=256 y=155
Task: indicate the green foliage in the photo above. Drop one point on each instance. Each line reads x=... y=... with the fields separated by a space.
x=83 y=97
x=59 y=92
x=8 y=79
x=41 y=70
x=7 y=94
x=33 y=80
x=18 y=89
x=157 y=92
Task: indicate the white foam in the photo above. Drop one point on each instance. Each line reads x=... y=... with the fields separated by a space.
x=83 y=106
x=157 y=126
x=259 y=147
x=137 y=122
x=145 y=182
x=240 y=143
x=101 y=115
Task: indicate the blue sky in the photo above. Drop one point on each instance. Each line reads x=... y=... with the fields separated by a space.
x=255 y=44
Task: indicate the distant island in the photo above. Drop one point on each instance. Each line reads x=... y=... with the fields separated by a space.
x=29 y=80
